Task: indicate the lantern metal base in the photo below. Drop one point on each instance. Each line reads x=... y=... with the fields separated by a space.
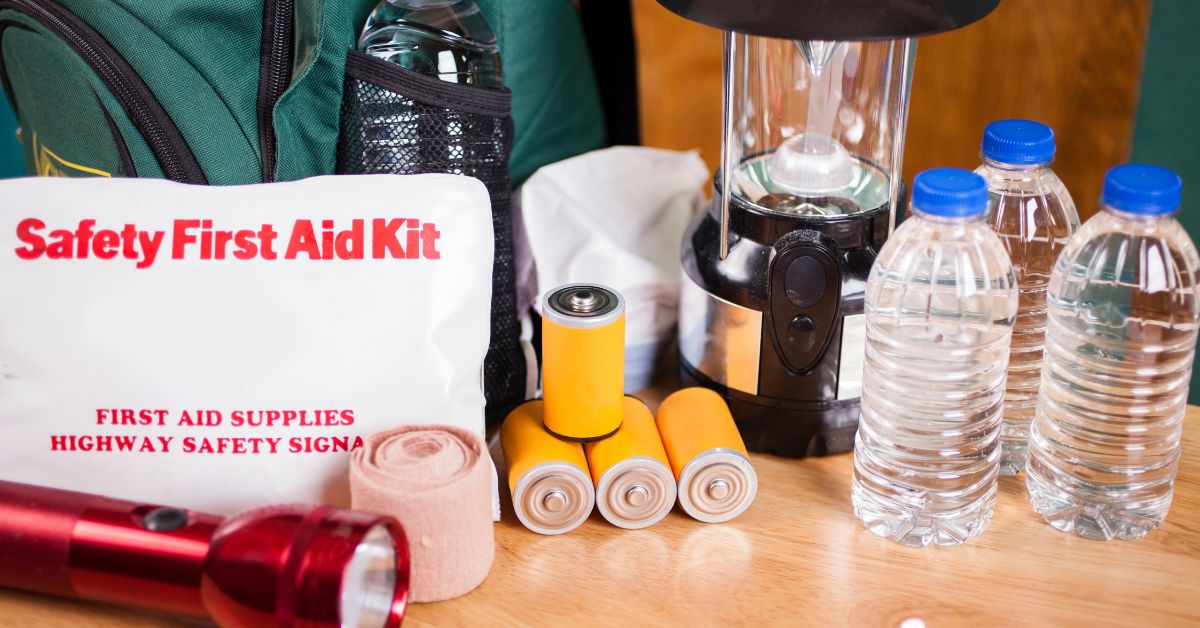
x=795 y=429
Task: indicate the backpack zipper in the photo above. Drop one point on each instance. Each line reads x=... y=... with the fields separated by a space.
x=274 y=74
x=165 y=141
x=123 y=156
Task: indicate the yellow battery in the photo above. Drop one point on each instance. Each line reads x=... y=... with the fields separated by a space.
x=634 y=484
x=583 y=361
x=548 y=477
x=711 y=466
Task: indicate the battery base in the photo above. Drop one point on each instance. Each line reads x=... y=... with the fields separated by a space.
x=575 y=439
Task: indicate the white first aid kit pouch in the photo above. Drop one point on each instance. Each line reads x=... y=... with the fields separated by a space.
x=226 y=347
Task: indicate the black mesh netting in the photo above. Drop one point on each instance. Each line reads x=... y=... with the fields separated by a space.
x=395 y=121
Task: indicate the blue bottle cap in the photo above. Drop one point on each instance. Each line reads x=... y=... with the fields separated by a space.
x=1142 y=189
x=1018 y=142
x=950 y=192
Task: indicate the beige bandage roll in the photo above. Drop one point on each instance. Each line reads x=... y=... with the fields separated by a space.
x=437 y=481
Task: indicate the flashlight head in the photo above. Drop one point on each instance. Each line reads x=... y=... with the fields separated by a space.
x=307 y=566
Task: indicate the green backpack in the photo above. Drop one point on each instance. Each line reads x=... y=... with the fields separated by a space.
x=247 y=91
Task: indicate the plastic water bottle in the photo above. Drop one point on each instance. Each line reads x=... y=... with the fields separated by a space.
x=1121 y=335
x=940 y=304
x=400 y=134
x=449 y=39
x=1034 y=216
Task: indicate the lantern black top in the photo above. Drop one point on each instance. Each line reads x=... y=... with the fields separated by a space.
x=833 y=20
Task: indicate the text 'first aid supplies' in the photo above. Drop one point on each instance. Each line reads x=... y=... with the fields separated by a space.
x=387 y=238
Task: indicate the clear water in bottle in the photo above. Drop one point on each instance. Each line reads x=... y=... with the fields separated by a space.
x=449 y=39
x=1033 y=214
x=1120 y=338
x=940 y=304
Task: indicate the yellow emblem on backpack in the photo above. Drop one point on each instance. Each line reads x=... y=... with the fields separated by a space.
x=48 y=164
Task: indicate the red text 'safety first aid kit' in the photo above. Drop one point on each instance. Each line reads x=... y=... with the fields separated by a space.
x=166 y=342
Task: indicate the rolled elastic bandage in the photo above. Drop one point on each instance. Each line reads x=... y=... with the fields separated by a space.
x=437 y=481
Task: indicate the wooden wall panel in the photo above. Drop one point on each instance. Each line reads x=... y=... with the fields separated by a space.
x=679 y=81
x=1073 y=64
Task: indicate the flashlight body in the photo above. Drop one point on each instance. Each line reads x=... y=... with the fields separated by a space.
x=80 y=545
x=280 y=565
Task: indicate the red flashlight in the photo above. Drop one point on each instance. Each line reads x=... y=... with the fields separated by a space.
x=303 y=566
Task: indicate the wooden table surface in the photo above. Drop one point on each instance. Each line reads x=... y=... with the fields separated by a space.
x=798 y=556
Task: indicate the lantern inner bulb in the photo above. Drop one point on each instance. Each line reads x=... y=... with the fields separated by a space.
x=811 y=164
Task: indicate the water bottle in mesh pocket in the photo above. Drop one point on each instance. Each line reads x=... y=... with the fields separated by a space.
x=396 y=121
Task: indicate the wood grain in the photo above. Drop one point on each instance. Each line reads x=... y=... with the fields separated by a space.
x=798 y=556
x=1073 y=64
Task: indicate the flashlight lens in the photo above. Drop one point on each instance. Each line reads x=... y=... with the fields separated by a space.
x=369 y=581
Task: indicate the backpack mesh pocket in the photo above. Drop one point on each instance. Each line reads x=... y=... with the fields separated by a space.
x=396 y=121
